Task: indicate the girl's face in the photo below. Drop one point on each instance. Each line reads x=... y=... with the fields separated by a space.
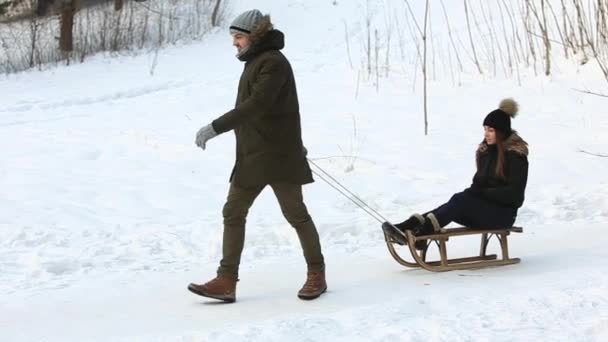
x=489 y=134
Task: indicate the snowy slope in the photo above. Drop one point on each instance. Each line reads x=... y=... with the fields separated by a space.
x=108 y=210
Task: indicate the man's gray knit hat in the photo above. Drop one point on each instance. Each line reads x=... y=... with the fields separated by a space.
x=246 y=22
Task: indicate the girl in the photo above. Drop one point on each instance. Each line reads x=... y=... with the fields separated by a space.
x=498 y=185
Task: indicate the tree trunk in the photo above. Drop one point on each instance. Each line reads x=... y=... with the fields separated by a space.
x=41 y=7
x=424 y=69
x=66 y=41
x=216 y=10
x=546 y=40
x=34 y=36
x=475 y=60
x=118 y=4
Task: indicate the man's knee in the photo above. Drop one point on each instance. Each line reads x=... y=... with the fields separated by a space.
x=234 y=215
x=292 y=204
x=297 y=216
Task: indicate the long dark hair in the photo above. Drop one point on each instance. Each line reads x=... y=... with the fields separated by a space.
x=501 y=152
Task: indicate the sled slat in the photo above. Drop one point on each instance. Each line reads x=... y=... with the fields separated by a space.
x=467 y=231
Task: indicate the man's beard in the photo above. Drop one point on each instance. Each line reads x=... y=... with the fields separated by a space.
x=242 y=51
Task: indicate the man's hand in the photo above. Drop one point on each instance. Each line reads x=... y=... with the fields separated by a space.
x=203 y=135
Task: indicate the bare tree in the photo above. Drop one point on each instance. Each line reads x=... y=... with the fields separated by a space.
x=214 y=15
x=475 y=59
x=447 y=21
x=423 y=34
x=581 y=24
x=346 y=36
x=118 y=4
x=531 y=40
x=66 y=40
x=368 y=46
x=424 y=68
x=42 y=7
x=559 y=30
x=542 y=25
x=34 y=31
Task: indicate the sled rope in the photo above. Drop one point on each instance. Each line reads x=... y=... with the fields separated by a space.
x=326 y=177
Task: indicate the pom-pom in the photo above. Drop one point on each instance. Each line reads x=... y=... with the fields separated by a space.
x=509 y=106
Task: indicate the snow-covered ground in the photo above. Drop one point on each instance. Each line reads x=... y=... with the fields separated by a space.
x=108 y=209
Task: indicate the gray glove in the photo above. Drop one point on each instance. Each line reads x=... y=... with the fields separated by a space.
x=203 y=135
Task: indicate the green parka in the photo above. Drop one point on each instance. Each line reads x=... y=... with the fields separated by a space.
x=266 y=119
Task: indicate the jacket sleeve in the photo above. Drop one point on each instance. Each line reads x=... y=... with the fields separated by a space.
x=478 y=181
x=511 y=194
x=264 y=94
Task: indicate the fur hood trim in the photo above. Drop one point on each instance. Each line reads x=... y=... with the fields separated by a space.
x=263 y=27
x=514 y=143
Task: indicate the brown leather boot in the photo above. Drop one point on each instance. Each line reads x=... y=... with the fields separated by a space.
x=314 y=286
x=220 y=287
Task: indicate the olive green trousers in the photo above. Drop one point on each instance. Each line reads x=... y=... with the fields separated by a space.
x=292 y=205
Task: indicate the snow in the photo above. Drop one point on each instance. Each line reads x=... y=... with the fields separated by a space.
x=108 y=209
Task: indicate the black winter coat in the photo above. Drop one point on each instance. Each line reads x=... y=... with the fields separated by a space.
x=508 y=191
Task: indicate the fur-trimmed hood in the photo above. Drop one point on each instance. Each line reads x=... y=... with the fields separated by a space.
x=264 y=26
x=514 y=143
x=263 y=38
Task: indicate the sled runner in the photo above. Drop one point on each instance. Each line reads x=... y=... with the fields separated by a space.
x=440 y=239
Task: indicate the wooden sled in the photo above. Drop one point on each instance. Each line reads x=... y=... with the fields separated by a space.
x=440 y=240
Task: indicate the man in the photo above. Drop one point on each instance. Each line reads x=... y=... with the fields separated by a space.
x=269 y=151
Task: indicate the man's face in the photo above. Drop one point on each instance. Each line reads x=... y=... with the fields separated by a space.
x=241 y=41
